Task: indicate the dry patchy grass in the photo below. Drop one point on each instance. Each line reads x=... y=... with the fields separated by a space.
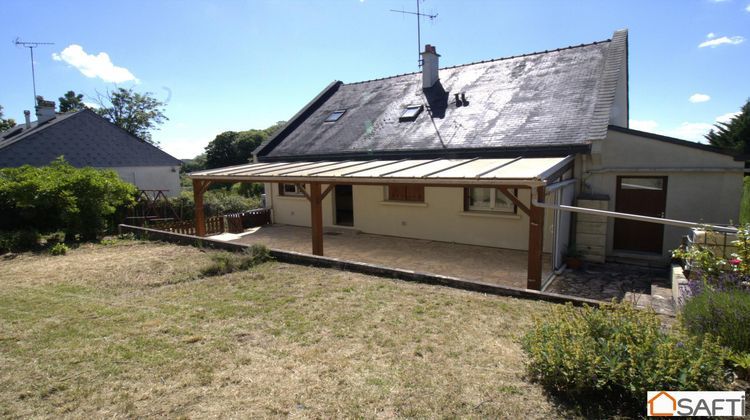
x=131 y=330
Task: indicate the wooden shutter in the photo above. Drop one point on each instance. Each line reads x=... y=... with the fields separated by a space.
x=403 y=192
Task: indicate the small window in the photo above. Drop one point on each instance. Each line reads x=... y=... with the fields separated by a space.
x=653 y=184
x=290 y=190
x=411 y=113
x=405 y=192
x=489 y=200
x=335 y=115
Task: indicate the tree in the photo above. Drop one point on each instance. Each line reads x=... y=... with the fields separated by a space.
x=136 y=113
x=71 y=102
x=6 y=124
x=235 y=148
x=735 y=134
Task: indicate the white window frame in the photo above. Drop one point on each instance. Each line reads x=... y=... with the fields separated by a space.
x=296 y=193
x=493 y=197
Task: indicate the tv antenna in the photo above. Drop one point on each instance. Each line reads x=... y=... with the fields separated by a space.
x=31 y=45
x=419 y=16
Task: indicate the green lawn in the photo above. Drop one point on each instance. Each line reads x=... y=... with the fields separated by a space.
x=131 y=330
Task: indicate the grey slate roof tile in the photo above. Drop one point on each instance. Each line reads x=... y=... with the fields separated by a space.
x=84 y=139
x=555 y=98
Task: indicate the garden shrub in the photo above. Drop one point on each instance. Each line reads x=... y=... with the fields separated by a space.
x=19 y=240
x=77 y=201
x=215 y=202
x=58 y=249
x=617 y=353
x=724 y=314
x=228 y=262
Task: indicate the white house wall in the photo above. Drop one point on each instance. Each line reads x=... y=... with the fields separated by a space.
x=152 y=177
x=696 y=190
x=439 y=218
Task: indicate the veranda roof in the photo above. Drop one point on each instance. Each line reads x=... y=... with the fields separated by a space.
x=525 y=171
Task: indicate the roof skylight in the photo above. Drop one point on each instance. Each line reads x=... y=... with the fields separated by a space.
x=410 y=113
x=335 y=115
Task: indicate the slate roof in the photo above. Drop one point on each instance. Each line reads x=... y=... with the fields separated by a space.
x=84 y=139
x=550 y=100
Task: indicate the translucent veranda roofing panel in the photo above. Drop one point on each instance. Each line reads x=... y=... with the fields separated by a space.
x=472 y=168
x=440 y=170
x=523 y=168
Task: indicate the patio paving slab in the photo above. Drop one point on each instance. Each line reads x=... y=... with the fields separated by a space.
x=486 y=264
x=644 y=286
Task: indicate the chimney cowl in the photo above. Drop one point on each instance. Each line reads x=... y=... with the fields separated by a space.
x=27 y=117
x=430 y=66
x=45 y=110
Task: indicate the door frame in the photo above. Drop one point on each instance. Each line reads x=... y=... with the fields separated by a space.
x=618 y=187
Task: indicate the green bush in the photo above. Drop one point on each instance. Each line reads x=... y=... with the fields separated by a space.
x=215 y=202
x=59 y=249
x=725 y=314
x=54 y=238
x=228 y=262
x=61 y=197
x=20 y=240
x=617 y=353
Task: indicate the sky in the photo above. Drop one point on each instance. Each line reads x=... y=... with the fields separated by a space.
x=237 y=65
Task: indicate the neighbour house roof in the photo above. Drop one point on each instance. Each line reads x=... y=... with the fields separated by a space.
x=84 y=139
x=524 y=171
x=554 y=101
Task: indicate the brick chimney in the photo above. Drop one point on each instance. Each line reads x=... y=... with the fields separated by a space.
x=45 y=110
x=430 y=66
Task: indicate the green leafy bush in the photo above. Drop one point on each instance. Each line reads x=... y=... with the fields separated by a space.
x=61 y=197
x=228 y=262
x=617 y=353
x=215 y=202
x=58 y=249
x=725 y=314
x=54 y=238
x=19 y=240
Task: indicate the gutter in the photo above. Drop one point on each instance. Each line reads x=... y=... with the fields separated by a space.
x=637 y=217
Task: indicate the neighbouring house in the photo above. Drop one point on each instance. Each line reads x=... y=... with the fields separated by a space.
x=84 y=138
x=486 y=153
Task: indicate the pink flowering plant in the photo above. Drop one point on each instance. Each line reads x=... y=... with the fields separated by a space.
x=708 y=270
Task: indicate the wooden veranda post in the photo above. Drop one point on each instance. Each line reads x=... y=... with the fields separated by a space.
x=199 y=187
x=536 y=243
x=316 y=219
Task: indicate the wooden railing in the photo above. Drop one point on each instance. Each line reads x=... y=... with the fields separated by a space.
x=235 y=223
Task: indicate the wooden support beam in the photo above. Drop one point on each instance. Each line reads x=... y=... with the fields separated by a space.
x=515 y=200
x=536 y=243
x=327 y=190
x=199 y=187
x=316 y=218
x=302 y=188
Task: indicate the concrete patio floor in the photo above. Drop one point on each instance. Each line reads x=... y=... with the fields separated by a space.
x=478 y=263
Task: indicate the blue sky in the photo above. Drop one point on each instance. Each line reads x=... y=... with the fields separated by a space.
x=235 y=65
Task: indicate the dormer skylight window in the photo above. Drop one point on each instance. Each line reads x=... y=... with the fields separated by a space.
x=335 y=115
x=411 y=113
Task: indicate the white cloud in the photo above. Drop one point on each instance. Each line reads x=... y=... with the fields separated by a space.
x=711 y=35
x=691 y=131
x=644 y=125
x=699 y=97
x=724 y=118
x=94 y=65
x=714 y=42
x=748 y=8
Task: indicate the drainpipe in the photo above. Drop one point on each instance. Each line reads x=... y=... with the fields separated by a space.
x=617 y=215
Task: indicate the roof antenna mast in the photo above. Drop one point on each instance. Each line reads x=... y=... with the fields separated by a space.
x=31 y=45
x=419 y=29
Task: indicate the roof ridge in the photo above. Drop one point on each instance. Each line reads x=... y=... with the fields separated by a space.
x=492 y=60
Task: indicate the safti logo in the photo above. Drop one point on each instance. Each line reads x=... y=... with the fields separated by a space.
x=695 y=403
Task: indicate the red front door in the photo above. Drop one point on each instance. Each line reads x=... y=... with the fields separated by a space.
x=640 y=195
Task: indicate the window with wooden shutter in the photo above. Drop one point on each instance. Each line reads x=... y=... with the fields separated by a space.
x=405 y=192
